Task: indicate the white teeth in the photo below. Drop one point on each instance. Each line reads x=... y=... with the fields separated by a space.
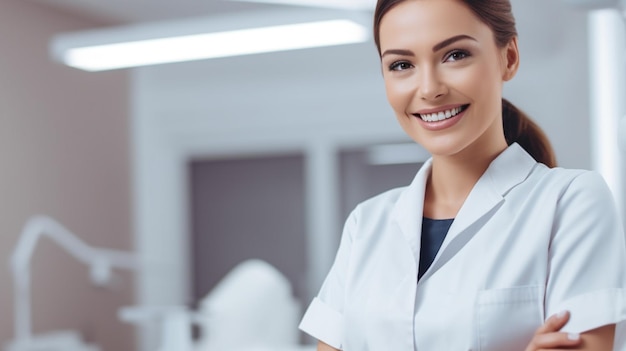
x=440 y=116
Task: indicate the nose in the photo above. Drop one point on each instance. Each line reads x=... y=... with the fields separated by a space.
x=430 y=85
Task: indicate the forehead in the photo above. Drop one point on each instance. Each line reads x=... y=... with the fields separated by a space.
x=427 y=22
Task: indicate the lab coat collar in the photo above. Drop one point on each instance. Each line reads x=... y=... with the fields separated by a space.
x=509 y=169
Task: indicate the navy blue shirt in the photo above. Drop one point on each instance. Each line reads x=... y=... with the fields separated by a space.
x=433 y=233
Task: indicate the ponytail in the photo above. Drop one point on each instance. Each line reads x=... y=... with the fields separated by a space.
x=519 y=128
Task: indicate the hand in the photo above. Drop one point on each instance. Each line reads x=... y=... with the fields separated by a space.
x=548 y=336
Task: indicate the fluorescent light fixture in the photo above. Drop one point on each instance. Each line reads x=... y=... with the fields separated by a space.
x=214 y=45
x=337 y=4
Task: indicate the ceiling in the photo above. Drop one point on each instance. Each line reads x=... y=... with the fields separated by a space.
x=136 y=11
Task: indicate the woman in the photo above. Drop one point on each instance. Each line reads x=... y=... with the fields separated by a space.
x=490 y=247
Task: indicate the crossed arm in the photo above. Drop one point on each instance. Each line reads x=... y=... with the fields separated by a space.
x=548 y=337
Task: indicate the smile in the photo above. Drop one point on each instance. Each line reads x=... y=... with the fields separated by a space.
x=442 y=115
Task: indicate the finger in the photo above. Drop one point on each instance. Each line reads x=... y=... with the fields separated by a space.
x=554 y=340
x=554 y=323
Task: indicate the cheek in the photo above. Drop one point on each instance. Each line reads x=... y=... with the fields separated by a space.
x=488 y=76
x=467 y=81
x=399 y=94
x=481 y=84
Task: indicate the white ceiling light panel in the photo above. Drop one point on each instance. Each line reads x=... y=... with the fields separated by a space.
x=134 y=46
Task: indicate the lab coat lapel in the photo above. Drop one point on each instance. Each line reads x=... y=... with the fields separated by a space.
x=509 y=169
x=409 y=208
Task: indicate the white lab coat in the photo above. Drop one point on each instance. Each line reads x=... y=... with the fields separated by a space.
x=528 y=242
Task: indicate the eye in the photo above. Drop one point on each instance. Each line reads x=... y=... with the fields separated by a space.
x=456 y=55
x=400 y=66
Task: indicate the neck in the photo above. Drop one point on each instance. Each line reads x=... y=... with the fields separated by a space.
x=452 y=178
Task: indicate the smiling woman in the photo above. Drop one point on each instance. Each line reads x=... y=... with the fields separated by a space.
x=491 y=247
x=459 y=63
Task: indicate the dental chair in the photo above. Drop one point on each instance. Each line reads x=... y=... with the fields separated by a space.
x=251 y=309
x=252 y=306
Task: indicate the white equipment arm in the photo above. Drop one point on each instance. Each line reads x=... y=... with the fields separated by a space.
x=100 y=260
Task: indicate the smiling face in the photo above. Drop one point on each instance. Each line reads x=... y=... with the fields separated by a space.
x=443 y=75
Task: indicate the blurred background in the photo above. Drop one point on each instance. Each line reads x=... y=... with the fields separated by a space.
x=198 y=166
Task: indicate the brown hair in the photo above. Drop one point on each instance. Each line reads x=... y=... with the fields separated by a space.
x=518 y=127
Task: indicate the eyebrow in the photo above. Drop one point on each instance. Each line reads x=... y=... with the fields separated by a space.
x=436 y=48
x=452 y=40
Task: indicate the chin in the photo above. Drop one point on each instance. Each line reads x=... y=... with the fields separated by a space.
x=442 y=148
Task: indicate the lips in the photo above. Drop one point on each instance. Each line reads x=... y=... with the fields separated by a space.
x=441 y=115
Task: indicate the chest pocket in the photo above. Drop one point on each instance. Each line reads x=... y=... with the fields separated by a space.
x=506 y=319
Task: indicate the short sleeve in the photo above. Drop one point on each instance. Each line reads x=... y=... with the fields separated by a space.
x=324 y=317
x=587 y=257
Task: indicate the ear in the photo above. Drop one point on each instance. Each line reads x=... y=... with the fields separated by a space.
x=510 y=60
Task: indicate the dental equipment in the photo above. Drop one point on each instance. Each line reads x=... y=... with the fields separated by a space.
x=251 y=308
x=100 y=260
